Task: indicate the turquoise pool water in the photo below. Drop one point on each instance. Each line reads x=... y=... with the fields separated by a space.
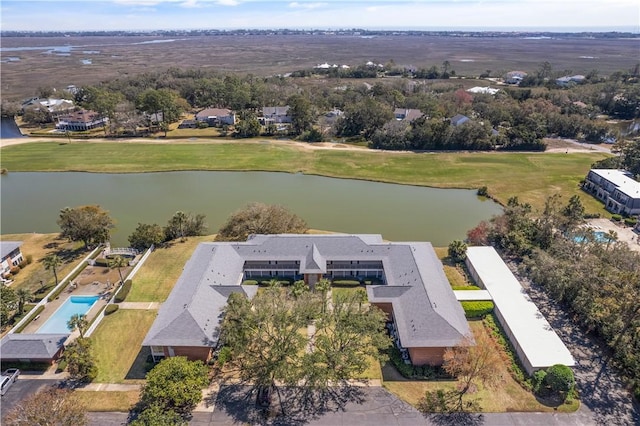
x=598 y=236
x=57 y=324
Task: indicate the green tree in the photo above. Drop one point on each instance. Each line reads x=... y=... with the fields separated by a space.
x=457 y=251
x=156 y=415
x=323 y=286
x=79 y=322
x=165 y=105
x=80 y=360
x=573 y=212
x=301 y=113
x=299 y=288
x=102 y=101
x=8 y=302
x=175 y=384
x=258 y=218
x=364 y=118
x=51 y=262
x=89 y=224
x=119 y=262
x=248 y=125
x=23 y=296
x=560 y=379
x=183 y=225
x=145 y=235
x=51 y=406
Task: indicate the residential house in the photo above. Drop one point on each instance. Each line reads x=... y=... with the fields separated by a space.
x=275 y=115
x=41 y=348
x=424 y=317
x=484 y=90
x=188 y=124
x=569 y=80
x=404 y=114
x=53 y=106
x=11 y=256
x=216 y=116
x=459 y=119
x=514 y=77
x=616 y=188
x=81 y=121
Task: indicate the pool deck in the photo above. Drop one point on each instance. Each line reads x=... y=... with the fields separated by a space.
x=98 y=289
x=625 y=234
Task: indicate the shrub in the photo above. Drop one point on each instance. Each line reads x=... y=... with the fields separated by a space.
x=224 y=355
x=56 y=293
x=538 y=381
x=249 y=282
x=483 y=191
x=62 y=365
x=32 y=315
x=560 y=379
x=123 y=292
x=477 y=309
x=424 y=372
x=591 y=215
x=630 y=221
x=515 y=368
x=29 y=259
x=345 y=283
x=111 y=308
x=616 y=217
x=14 y=270
x=457 y=251
x=102 y=262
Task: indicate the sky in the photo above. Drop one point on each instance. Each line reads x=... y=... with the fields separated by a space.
x=556 y=15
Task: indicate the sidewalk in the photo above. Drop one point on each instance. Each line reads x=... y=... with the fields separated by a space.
x=139 y=305
x=109 y=387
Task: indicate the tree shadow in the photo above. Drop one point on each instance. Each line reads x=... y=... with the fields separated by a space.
x=300 y=405
x=456 y=419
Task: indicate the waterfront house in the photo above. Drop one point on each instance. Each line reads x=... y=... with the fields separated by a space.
x=424 y=317
x=405 y=114
x=275 y=115
x=11 y=256
x=81 y=121
x=216 y=117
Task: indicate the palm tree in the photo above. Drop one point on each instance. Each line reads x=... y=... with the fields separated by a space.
x=78 y=321
x=119 y=262
x=323 y=286
x=52 y=261
x=24 y=296
x=299 y=288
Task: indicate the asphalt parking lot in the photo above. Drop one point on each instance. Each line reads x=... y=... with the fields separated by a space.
x=21 y=389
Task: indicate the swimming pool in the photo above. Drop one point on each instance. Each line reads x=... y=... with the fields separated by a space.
x=598 y=237
x=57 y=324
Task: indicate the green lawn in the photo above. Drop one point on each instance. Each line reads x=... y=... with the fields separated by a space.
x=117 y=341
x=161 y=270
x=530 y=176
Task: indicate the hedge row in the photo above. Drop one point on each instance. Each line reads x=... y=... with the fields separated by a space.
x=515 y=368
x=32 y=315
x=345 y=283
x=465 y=287
x=111 y=308
x=409 y=371
x=477 y=309
x=101 y=262
x=124 y=292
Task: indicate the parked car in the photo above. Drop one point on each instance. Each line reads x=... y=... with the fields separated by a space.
x=8 y=378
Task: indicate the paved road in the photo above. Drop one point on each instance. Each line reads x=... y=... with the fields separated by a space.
x=20 y=390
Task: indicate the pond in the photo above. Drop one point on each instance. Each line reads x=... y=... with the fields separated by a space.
x=31 y=202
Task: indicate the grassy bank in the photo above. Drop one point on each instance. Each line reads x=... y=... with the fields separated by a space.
x=530 y=176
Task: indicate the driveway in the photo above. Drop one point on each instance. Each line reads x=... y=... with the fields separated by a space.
x=21 y=389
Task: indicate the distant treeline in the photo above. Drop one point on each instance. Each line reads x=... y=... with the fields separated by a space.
x=328 y=32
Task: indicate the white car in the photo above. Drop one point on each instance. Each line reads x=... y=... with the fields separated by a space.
x=8 y=378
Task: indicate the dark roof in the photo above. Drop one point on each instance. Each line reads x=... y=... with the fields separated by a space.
x=213 y=112
x=31 y=346
x=277 y=110
x=7 y=247
x=426 y=310
x=407 y=114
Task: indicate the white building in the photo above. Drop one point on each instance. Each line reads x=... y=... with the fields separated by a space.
x=616 y=188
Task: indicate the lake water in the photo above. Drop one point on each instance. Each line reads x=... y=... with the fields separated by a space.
x=31 y=202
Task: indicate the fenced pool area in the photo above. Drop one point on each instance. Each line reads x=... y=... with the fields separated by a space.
x=57 y=323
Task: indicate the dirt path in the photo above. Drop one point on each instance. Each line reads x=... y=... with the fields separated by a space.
x=602 y=393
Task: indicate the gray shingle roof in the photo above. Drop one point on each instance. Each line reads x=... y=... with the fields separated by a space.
x=7 y=247
x=31 y=346
x=426 y=311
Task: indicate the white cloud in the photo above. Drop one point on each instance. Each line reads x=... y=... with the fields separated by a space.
x=314 y=5
x=228 y=2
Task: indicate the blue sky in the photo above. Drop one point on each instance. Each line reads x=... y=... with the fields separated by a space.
x=557 y=15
